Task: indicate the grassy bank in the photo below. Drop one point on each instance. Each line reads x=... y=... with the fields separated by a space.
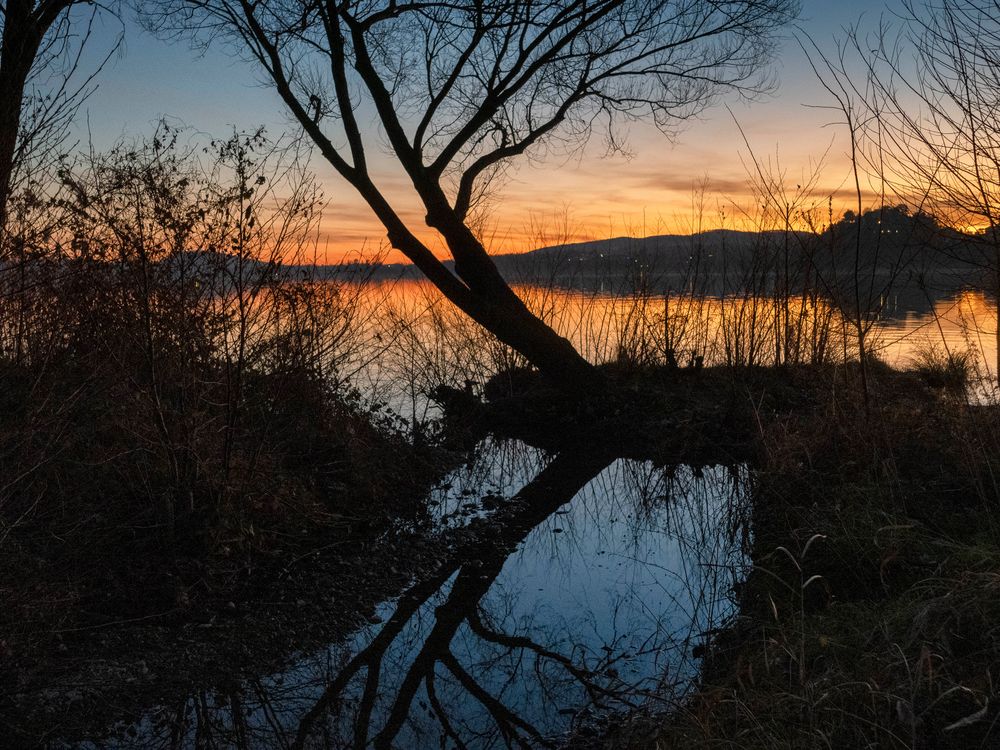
x=870 y=617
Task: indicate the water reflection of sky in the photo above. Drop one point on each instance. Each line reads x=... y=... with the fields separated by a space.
x=625 y=582
x=592 y=606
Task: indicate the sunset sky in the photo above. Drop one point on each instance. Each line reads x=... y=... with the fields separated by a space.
x=590 y=196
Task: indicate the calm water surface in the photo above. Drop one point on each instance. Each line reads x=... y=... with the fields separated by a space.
x=411 y=341
x=577 y=587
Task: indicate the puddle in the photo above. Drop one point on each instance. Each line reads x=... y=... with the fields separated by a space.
x=577 y=587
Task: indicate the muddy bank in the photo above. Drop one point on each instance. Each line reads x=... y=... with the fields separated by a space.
x=671 y=414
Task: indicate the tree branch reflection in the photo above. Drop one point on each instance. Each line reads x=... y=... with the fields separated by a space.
x=477 y=564
x=541 y=616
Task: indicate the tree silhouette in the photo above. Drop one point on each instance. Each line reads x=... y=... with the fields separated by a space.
x=458 y=89
x=36 y=35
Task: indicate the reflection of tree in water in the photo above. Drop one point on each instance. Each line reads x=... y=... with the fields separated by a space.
x=495 y=471
x=542 y=618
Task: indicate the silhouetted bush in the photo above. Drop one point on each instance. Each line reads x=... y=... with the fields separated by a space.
x=170 y=381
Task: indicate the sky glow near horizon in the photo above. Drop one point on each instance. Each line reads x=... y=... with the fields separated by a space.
x=697 y=181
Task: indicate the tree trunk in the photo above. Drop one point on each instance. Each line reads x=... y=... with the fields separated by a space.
x=495 y=306
x=11 y=95
x=25 y=24
x=21 y=40
x=555 y=357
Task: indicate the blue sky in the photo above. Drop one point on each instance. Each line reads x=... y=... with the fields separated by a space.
x=212 y=92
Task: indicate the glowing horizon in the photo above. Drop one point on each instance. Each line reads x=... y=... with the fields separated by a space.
x=522 y=221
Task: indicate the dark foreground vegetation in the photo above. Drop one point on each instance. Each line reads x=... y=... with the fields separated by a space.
x=198 y=469
x=175 y=435
x=192 y=482
x=866 y=617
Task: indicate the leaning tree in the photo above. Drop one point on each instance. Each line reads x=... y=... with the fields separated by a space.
x=456 y=89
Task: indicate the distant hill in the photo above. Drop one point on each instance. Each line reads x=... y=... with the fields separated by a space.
x=662 y=256
x=610 y=258
x=909 y=249
x=666 y=247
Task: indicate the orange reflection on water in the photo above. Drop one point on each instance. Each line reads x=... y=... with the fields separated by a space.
x=734 y=330
x=966 y=322
x=642 y=328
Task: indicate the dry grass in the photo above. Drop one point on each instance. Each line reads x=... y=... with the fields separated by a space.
x=870 y=617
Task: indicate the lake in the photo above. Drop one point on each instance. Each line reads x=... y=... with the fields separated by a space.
x=407 y=339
